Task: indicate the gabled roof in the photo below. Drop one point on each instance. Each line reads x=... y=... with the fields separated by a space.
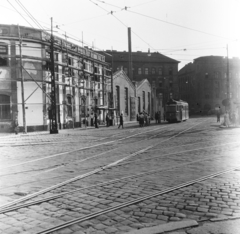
x=141 y=83
x=122 y=74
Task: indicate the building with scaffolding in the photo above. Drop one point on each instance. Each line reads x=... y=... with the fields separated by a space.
x=82 y=78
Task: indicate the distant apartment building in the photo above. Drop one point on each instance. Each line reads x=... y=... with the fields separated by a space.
x=82 y=77
x=161 y=72
x=203 y=83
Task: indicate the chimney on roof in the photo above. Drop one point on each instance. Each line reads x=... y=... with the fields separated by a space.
x=149 y=53
x=130 y=53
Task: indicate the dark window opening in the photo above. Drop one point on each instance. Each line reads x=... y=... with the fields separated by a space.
x=5 y=111
x=3 y=62
x=126 y=101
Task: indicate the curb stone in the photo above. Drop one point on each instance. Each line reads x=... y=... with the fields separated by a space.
x=165 y=227
x=224 y=218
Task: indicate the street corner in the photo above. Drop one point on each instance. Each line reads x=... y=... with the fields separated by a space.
x=227 y=227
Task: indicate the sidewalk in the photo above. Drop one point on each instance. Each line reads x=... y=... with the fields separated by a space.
x=6 y=134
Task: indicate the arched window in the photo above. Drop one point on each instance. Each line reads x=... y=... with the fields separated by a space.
x=5 y=107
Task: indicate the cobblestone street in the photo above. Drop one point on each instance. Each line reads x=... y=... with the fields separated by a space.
x=181 y=178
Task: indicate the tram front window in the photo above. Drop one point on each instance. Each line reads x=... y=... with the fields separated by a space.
x=171 y=108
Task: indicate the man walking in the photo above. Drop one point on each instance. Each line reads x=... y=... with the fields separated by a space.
x=121 y=121
x=96 y=120
x=107 y=120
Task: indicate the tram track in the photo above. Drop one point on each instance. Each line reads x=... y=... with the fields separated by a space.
x=164 y=186
x=112 y=164
x=134 y=201
x=79 y=149
x=125 y=178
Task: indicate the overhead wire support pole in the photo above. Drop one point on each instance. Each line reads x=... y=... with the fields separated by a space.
x=22 y=82
x=53 y=120
x=69 y=76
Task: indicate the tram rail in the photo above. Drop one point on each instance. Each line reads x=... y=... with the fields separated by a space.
x=95 y=171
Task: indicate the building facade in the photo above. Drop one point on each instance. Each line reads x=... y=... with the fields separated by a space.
x=161 y=72
x=82 y=77
x=130 y=98
x=203 y=83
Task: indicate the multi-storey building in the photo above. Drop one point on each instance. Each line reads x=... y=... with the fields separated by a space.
x=82 y=77
x=203 y=83
x=161 y=72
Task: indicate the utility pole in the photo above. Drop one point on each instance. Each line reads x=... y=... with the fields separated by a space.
x=228 y=84
x=22 y=82
x=53 y=120
x=69 y=76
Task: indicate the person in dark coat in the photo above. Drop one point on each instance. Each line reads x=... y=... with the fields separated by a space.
x=107 y=120
x=218 y=116
x=141 y=119
x=156 y=116
x=96 y=120
x=121 y=121
x=92 y=116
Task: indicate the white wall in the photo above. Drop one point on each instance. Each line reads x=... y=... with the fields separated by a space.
x=34 y=105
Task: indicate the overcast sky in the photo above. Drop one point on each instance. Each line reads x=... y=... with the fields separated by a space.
x=181 y=29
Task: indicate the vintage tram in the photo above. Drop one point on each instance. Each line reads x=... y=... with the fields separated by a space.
x=176 y=111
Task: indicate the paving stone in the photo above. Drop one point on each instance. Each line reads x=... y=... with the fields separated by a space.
x=202 y=209
x=226 y=212
x=168 y=213
x=180 y=215
x=158 y=212
x=151 y=216
x=163 y=217
x=136 y=225
x=99 y=226
x=125 y=228
x=140 y=214
x=110 y=230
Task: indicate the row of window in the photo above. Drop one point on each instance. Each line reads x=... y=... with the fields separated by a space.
x=126 y=97
x=152 y=71
x=218 y=75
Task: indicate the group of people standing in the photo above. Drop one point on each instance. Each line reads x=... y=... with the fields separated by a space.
x=143 y=118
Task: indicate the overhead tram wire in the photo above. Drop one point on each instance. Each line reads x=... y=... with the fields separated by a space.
x=20 y=14
x=111 y=12
x=177 y=25
x=29 y=14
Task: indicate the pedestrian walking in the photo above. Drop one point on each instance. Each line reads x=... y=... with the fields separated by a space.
x=141 y=119
x=149 y=119
x=121 y=121
x=96 y=120
x=164 y=116
x=91 y=117
x=159 y=117
x=145 y=119
x=15 y=126
x=156 y=116
x=218 y=116
x=107 y=120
